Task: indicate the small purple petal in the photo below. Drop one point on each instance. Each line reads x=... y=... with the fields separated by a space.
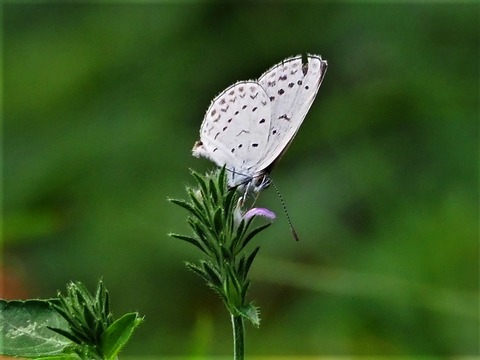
x=259 y=212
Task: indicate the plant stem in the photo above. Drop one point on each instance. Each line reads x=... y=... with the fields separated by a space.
x=238 y=337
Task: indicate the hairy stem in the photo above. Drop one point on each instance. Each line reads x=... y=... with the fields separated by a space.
x=238 y=337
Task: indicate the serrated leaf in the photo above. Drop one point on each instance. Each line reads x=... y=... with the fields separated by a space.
x=117 y=334
x=24 y=329
x=250 y=313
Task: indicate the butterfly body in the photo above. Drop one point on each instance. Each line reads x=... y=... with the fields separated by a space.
x=249 y=126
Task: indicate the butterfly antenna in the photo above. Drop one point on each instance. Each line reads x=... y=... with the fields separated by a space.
x=294 y=233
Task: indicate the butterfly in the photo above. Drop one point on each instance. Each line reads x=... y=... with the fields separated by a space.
x=249 y=126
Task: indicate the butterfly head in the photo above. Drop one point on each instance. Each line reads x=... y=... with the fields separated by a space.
x=199 y=150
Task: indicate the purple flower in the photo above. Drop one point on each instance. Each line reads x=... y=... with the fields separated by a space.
x=259 y=212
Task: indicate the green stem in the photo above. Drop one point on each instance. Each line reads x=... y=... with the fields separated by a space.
x=238 y=337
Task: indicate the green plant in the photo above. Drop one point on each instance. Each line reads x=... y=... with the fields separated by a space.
x=222 y=231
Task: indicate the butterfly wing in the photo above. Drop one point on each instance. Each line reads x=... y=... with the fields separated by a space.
x=291 y=88
x=235 y=130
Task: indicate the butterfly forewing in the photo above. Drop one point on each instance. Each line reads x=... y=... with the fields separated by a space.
x=291 y=87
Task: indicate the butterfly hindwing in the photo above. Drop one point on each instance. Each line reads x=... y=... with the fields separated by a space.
x=234 y=131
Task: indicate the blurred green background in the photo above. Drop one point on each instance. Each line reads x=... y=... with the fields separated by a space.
x=102 y=104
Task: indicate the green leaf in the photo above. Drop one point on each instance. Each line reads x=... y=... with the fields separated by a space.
x=102 y=301
x=212 y=274
x=238 y=236
x=213 y=190
x=204 y=234
x=24 y=329
x=233 y=290
x=67 y=334
x=190 y=240
x=229 y=204
x=249 y=260
x=246 y=286
x=197 y=270
x=59 y=357
x=218 y=221
x=185 y=205
x=200 y=181
x=250 y=313
x=117 y=334
x=201 y=208
x=252 y=234
x=222 y=177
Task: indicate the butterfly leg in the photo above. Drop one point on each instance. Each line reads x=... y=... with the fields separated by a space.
x=245 y=194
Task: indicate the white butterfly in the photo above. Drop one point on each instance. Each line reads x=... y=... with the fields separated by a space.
x=249 y=125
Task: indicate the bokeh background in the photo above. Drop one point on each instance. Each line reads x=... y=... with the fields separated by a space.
x=103 y=102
